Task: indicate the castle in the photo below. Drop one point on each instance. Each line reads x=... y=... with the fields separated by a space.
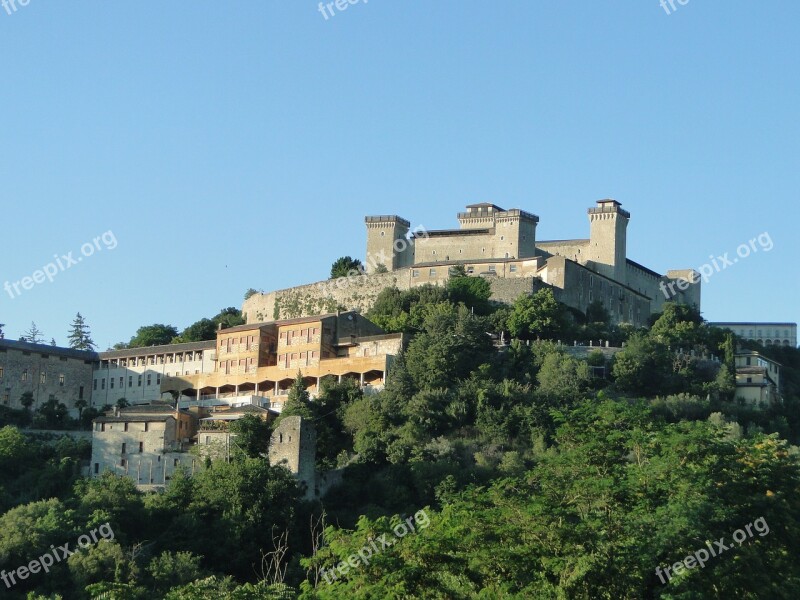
x=501 y=246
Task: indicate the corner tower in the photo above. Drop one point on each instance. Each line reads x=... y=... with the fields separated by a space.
x=387 y=243
x=608 y=231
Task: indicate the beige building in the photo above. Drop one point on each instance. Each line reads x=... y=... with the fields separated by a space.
x=146 y=443
x=768 y=334
x=494 y=242
x=501 y=246
x=757 y=379
x=257 y=363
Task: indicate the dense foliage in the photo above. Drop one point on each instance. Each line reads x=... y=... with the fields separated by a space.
x=526 y=469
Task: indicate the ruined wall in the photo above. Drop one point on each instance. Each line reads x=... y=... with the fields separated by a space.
x=294 y=444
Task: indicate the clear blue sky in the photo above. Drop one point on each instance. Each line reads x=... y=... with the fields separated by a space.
x=230 y=145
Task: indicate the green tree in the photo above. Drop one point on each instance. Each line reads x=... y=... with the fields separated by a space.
x=173 y=569
x=26 y=400
x=199 y=331
x=153 y=335
x=643 y=367
x=298 y=404
x=250 y=292
x=252 y=435
x=80 y=338
x=678 y=325
x=228 y=317
x=344 y=266
x=34 y=335
x=473 y=292
x=539 y=315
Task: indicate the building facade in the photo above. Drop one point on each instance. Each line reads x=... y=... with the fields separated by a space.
x=767 y=334
x=758 y=381
x=494 y=242
x=501 y=246
x=146 y=443
x=46 y=372
x=257 y=363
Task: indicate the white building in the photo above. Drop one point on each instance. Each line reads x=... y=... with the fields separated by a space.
x=768 y=334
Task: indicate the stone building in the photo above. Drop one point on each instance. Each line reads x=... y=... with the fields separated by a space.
x=47 y=372
x=768 y=334
x=257 y=363
x=146 y=443
x=501 y=246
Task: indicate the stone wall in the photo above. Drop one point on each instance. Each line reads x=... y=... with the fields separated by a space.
x=294 y=444
x=45 y=371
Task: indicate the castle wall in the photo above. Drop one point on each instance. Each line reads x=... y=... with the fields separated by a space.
x=571 y=249
x=465 y=246
x=578 y=286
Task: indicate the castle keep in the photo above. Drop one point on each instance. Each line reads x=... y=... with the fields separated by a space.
x=500 y=245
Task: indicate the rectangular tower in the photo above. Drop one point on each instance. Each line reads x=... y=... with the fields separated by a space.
x=387 y=243
x=608 y=226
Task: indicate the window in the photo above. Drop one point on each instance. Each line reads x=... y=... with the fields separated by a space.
x=158 y=379
x=1 y=372
x=125 y=427
x=415 y=273
x=43 y=378
x=432 y=273
x=130 y=380
x=123 y=462
x=512 y=268
x=96 y=468
x=748 y=361
x=141 y=447
x=749 y=380
x=103 y=384
x=121 y=382
x=111 y=383
x=124 y=446
x=140 y=381
x=149 y=380
x=146 y=426
x=491 y=269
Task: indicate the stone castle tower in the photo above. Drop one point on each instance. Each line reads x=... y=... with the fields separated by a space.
x=387 y=243
x=293 y=444
x=608 y=246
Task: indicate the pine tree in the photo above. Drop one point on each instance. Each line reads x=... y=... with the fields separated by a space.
x=34 y=335
x=80 y=338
